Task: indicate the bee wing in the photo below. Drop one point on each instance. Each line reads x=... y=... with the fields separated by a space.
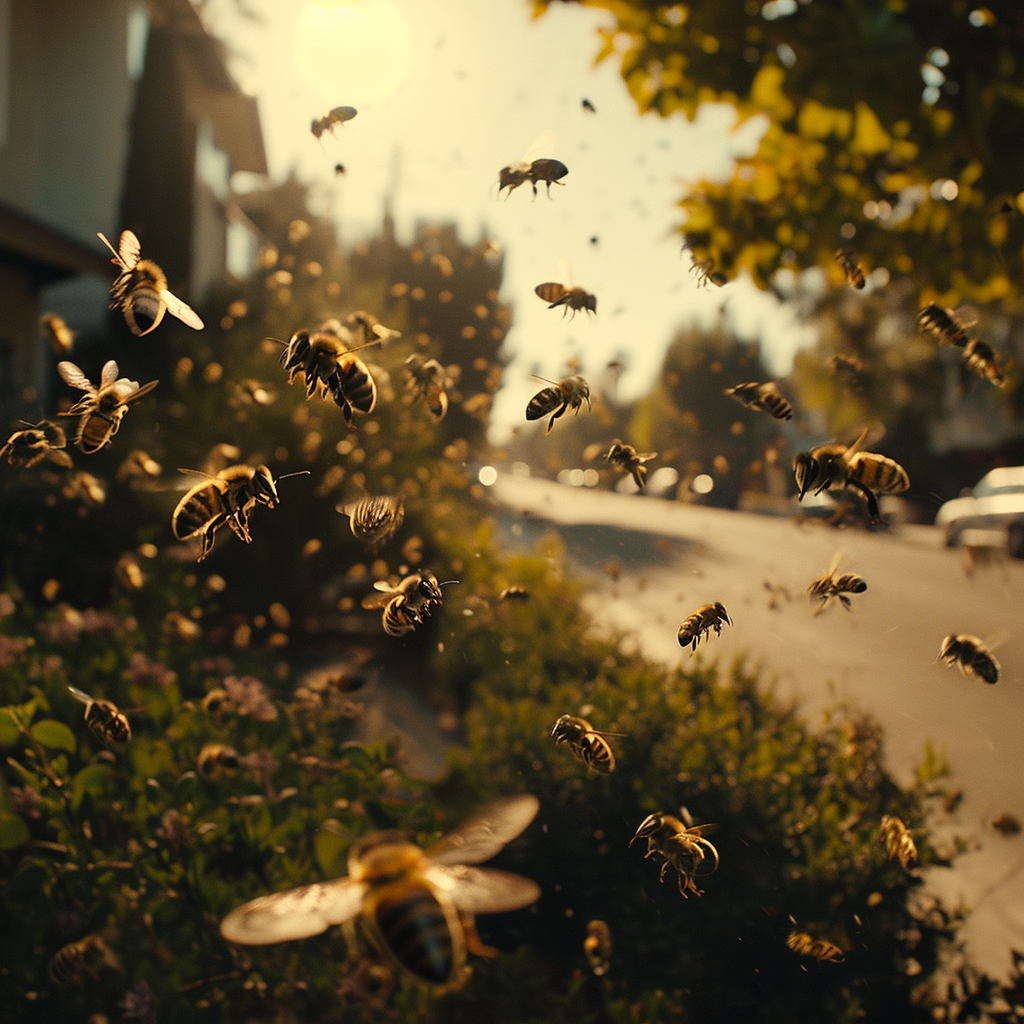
x=139 y=391
x=185 y=313
x=483 y=835
x=544 y=143
x=83 y=697
x=74 y=377
x=128 y=249
x=484 y=890
x=109 y=372
x=379 y=600
x=295 y=914
x=702 y=830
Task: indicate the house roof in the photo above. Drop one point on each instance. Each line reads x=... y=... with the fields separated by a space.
x=47 y=253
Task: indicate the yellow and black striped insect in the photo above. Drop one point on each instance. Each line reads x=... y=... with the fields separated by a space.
x=979 y=356
x=408 y=604
x=625 y=458
x=684 y=849
x=699 y=624
x=851 y=268
x=971 y=655
x=38 y=441
x=101 y=410
x=568 y=393
x=60 y=336
x=533 y=168
x=762 y=397
x=331 y=120
x=585 y=742
x=819 y=949
x=103 y=718
x=374 y=519
x=82 y=960
x=896 y=838
x=556 y=294
x=427 y=378
x=830 y=586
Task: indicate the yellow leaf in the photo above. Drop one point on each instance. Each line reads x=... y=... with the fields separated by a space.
x=869 y=136
x=971 y=173
x=766 y=92
x=816 y=121
x=765 y=185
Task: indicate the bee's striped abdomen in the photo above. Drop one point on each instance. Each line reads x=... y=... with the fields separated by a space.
x=413 y=925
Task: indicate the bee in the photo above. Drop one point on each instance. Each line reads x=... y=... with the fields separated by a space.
x=625 y=458
x=588 y=745
x=973 y=657
x=105 y=721
x=945 y=325
x=896 y=839
x=514 y=594
x=851 y=268
x=980 y=357
x=408 y=604
x=705 y=273
x=215 y=756
x=140 y=290
x=250 y=391
x=228 y=498
x=1007 y=824
x=840 y=363
x=139 y=469
x=533 y=170
x=61 y=337
x=830 y=585
x=598 y=947
x=339 y=168
x=699 y=624
x=867 y=472
x=568 y=298
x=764 y=397
x=374 y=519
x=568 y=393
x=415 y=906
x=330 y=120
x=74 y=963
x=589 y=107
x=426 y=378
x=684 y=849
x=820 y=949
x=38 y=441
x=101 y=409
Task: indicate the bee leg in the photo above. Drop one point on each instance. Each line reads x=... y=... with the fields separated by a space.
x=474 y=944
x=871 y=500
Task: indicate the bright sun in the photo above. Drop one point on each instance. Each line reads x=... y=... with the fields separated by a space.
x=353 y=51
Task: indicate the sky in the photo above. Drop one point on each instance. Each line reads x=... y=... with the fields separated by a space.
x=474 y=83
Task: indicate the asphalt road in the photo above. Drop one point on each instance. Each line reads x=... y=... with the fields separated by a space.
x=881 y=656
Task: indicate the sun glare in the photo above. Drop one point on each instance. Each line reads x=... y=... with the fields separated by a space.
x=353 y=51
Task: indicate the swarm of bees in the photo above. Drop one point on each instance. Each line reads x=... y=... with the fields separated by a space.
x=698 y=625
x=408 y=604
x=830 y=586
x=415 y=907
x=898 y=843
x=625 y=458
x=331 y=120
x=103 y=719
x=82 y=961
x=374 y=519
x=568 y=393
x=585 y=742
x=762 y=397
x=971 y=656
x=38 y=441
x=556 y=294
x=819 y=949
x=851 y=268
x=427 y=378
x=101 y=410
x=684 y=849
x=979 y=356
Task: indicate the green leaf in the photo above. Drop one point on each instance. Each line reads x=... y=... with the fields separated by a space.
x=93 y=779
x=56 y=735
x=13 y=831
x=8 y=729
x=329 y=849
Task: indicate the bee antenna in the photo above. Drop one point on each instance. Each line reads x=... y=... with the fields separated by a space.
x=446 y=582
x=277 y=341
x=300 y=472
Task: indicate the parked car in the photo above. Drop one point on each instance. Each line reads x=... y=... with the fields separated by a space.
x=995 y=503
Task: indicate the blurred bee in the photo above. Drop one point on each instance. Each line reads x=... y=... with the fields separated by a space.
x=971 y=655
x=589 y=107
x=514 y=594
x=84 y=487
x=684 y=849
x=705 y=273
x=426 y=378
x=830 y=586
x=60 y=336
x=140 y=290
x=216 y=756
x=36 y=442
x=330 y=120
x=764 y=397
x=101 y=409
x=589 y=746
x=128 y=573
x=217 y=700
x=1007 y=824
x=252 y=391
x=568 y=298
x=896 y=839
x=867 y=472
x=533 y=170
x=228 y=498
x=374 y=519
x=104 y=720
x=944 y=324
x=625 y=458
x=77 y=961
x=820 y=949
x=415 y=906
x=339 y=168
x=980 y=357
x=699 y=624
x=408 y=604
x=138 y=468
x=568 y=393
x=846 y=364
x=851 y=268
x=598 y=947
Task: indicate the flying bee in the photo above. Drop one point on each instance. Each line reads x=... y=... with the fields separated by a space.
x=762 y=397
x=971 y=655
x=705 y=273
x=851 y=268
x=250 y=391
x=339 y=168
x=330 y=120
x=408 y=604
x=684 y=849
x=625 y=458
x=1006 y=824
x=944 y=324
x=568 y=298
x=216 y=756
x=586 y=743
x=426 y=378
x=568 y=393
x=140 y=290
x=819 y=949
x=228 y=497
x=60 y=336
x=101 y=409
x=78 y=961
x=843 y=466
x=598 y=947
x=415 y=906
x=830 y=586
x=533 y=170
x=514 y=593
x=980 y=357
x=896 y=839
x=105 y=721
x=43 y=440
x=699 y=624
x=589 y=107
x=374 y=519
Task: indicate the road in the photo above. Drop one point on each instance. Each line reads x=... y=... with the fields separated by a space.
x=881 y=656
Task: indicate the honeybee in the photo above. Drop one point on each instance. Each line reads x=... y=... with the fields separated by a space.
x=415 y=906
x=598 y=947
x=408 y=604
x=61 y=337
x=139 y=469
x=826 y=587
x=568 y=298
x=140 y=290
x=851 y=268
x=250 y=391
x=568 y=393
x=514 y=593
x=426 y=378
x=944 y=324
x=971 y=655
x=588 y=745
x=339 y=168
x=699 y=624
x=1007 y=824
x=684 y=849
x=625 y=458
x=867 y=472
x=763 y=397
x=980 y=357
x=215 y=756
x=228 y=498
x=533 y=170
x=374 y=519
x=589 y=107
x=36 y=442
x=330 y=120
x=820 y=949
x=896 y=839
x=844 y=363
x=74 y=963
x=105 y=721
x=101 y=409
x=705 y=272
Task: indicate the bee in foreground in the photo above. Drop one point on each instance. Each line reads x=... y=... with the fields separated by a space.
x=819 y=949
x=971 y=655
x=698 y=625
x=830 y=586
x=331 y=120
x=60 y=336
x=851 y=268
x=140 y=290
x=426 y=378
x=684 y=849
x=79 y=961
x=374 y=519
x=43 y=440
x=568 y=393
x=568 y=298
x=762 y=397
x=414 y=906
x=625 y=458
x=598 y=947
x=101 y=409
x=228 y=498
x=105 y=721
x=836 y=464
x=408 y=604
x=533 y=170
x=895 y=837
x=588 y=745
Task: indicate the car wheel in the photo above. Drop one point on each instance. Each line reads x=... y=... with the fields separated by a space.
x=1015 y=539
